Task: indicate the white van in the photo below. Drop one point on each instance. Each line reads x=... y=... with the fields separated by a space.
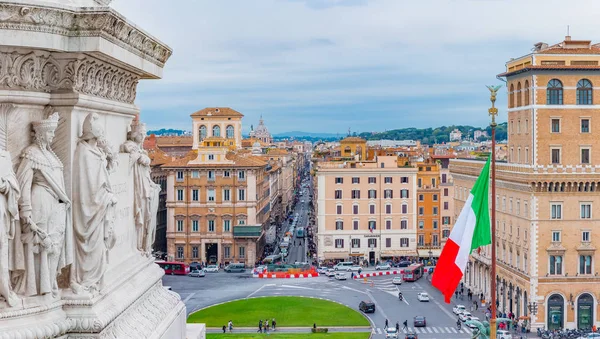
x=343 y=266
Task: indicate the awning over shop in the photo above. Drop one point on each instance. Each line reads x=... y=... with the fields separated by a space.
x=398 y=253
x=357 y=254
x=435 y=252
x=335 y=255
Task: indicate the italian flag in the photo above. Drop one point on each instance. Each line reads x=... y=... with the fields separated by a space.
x=471 y=231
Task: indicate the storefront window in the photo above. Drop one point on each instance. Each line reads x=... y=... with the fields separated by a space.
x=555 y=312
x=585 y=311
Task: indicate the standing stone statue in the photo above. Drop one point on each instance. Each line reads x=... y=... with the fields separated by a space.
x=93 y=208
x=146 y=192
x=45 y=214
x=11 y=247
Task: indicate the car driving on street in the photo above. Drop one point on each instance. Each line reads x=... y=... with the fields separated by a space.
x=419 y=321
x=196 y=274
x=340 y=276
x=422 y=296
x=458 y=309
x=391 y=332
x=397 y=281
x=464 y=316
x=383 y=267
x=211 y=269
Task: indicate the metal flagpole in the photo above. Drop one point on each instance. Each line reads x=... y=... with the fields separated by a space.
x=493 y=111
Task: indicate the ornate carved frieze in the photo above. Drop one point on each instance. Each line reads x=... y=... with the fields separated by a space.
x=85 y=23
x=40 y=71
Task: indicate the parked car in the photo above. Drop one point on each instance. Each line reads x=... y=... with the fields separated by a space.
x=503 y=334
x=397 y=281
x=458 y=309
x=235 y=268
x=464 y=316
x=383 y=267
x=340 y=276
x=391 y=332
x=196 y=274
x=419 y=321
x=330 y=272
x=355 y=268
x=367 y=306
x=211 y=269
x=472 y=318
x=423 y=296
x=322 y=270
x=403 y=264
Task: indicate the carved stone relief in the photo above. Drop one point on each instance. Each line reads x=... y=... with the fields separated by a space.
x=40 y=71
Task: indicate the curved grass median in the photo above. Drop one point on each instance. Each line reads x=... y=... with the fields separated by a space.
x=287 y=311
x=338 y=335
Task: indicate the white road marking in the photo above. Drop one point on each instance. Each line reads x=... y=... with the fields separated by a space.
x=377 y=305
x=355 y=290
x=189 y=297
x=378 y=330
x=258 y=290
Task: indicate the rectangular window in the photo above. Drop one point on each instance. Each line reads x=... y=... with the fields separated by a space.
x=339 y=225
x=388 y=242
x=435 y=240
x=180 y=252
x=211 y=157
x=445 y=233
x=355 y=243
x=242 y=252
x=585 y=155
x=194 y=195
x=388 y=209
x=404 y=194
x=339 y=180
x=404 y=208
x=585 y=236
x=179 y=225
x=585 y=264
x=227 y=252
x=179 y=195
x=372 y=243
x=355 y=180
x=338 y=194
x=355 y=194
x=194 y=225
x=403 y=224
x=195 y=252
x=211 y=225
x=241 y=176
x=210 y=193
x=421 y=239
x=445 y=220
x=556 y=264
x=226 y=174
x=195 y=174
x=421 y=210
x=179 y=175
x=435 y=197
x=403 y=242
x=388 y=224
x=421 y=197
x=555 y=125
x=446 y=205
x=555 y=155
x=242 y=222
x=338 y=209
x=421 y=224
x=555 y=211
x=226 y=194
x=444 y=178
x=433 y=182
x=555 y=236
x=339 y=243
x=355 y=225
x=354 y=209
x=404 y=180
x=585 y=125
x=372 y=194
x=387 y=180
x=211 y=175
x=585 y=210
x=241 y=194
x=388 y=194
x=372 y=225
x=226 y=225
x=372 y=209
x=435 y=224
x=372 y=180
x=419 y=182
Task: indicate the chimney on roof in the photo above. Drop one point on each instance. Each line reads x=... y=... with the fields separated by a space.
x=568 y=38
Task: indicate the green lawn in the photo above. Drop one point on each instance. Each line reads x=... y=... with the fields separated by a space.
x=338 y=335
x=287 y=311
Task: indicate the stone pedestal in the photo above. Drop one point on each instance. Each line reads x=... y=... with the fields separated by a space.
x=77 y=57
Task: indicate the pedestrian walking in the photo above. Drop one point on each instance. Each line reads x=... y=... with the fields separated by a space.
x=397 y=326
x=405 y=323
x=259 y=326
x=230 y=326
x=273 y=323
x=476 y=305
x=456 y=294
x=386 y=323
x=224 y=328
x=266 y=325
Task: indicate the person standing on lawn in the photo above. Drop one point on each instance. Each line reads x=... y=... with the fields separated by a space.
x=273 y=323
x=259 y=326
x=230 y=326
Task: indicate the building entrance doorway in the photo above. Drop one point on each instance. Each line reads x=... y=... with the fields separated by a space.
x=372 y=257
x=585 y=312
x=211 y=252
x=556 y=304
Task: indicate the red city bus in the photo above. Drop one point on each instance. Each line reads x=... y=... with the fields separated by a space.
x=174 y=267
x=413 y=272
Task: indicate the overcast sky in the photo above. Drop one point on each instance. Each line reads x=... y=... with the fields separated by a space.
x=330 y=65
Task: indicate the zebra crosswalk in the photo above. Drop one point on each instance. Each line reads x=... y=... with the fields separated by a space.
x=429 y=330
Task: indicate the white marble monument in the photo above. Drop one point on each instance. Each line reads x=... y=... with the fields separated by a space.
x=77 y=208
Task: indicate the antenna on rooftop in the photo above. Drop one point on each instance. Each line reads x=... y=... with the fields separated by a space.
x=348 y=131
x=568 y=30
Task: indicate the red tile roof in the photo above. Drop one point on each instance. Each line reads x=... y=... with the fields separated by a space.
x=217 y=111
x=551 y=68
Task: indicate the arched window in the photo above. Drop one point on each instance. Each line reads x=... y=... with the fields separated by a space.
x=512 y=96
x=519 y=94
x=229 y=132
x=584 y=92
x=216 y=131
x=554 y=92
x=202 y=133
x=526 y=94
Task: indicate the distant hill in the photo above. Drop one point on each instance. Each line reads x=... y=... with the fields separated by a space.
x=432 y=135
x=169 y=131
x=298 y=134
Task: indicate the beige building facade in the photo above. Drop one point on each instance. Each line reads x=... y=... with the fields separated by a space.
x=365 y=210
x=546 y=199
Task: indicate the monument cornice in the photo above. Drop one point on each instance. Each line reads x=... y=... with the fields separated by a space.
x=84 y=22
